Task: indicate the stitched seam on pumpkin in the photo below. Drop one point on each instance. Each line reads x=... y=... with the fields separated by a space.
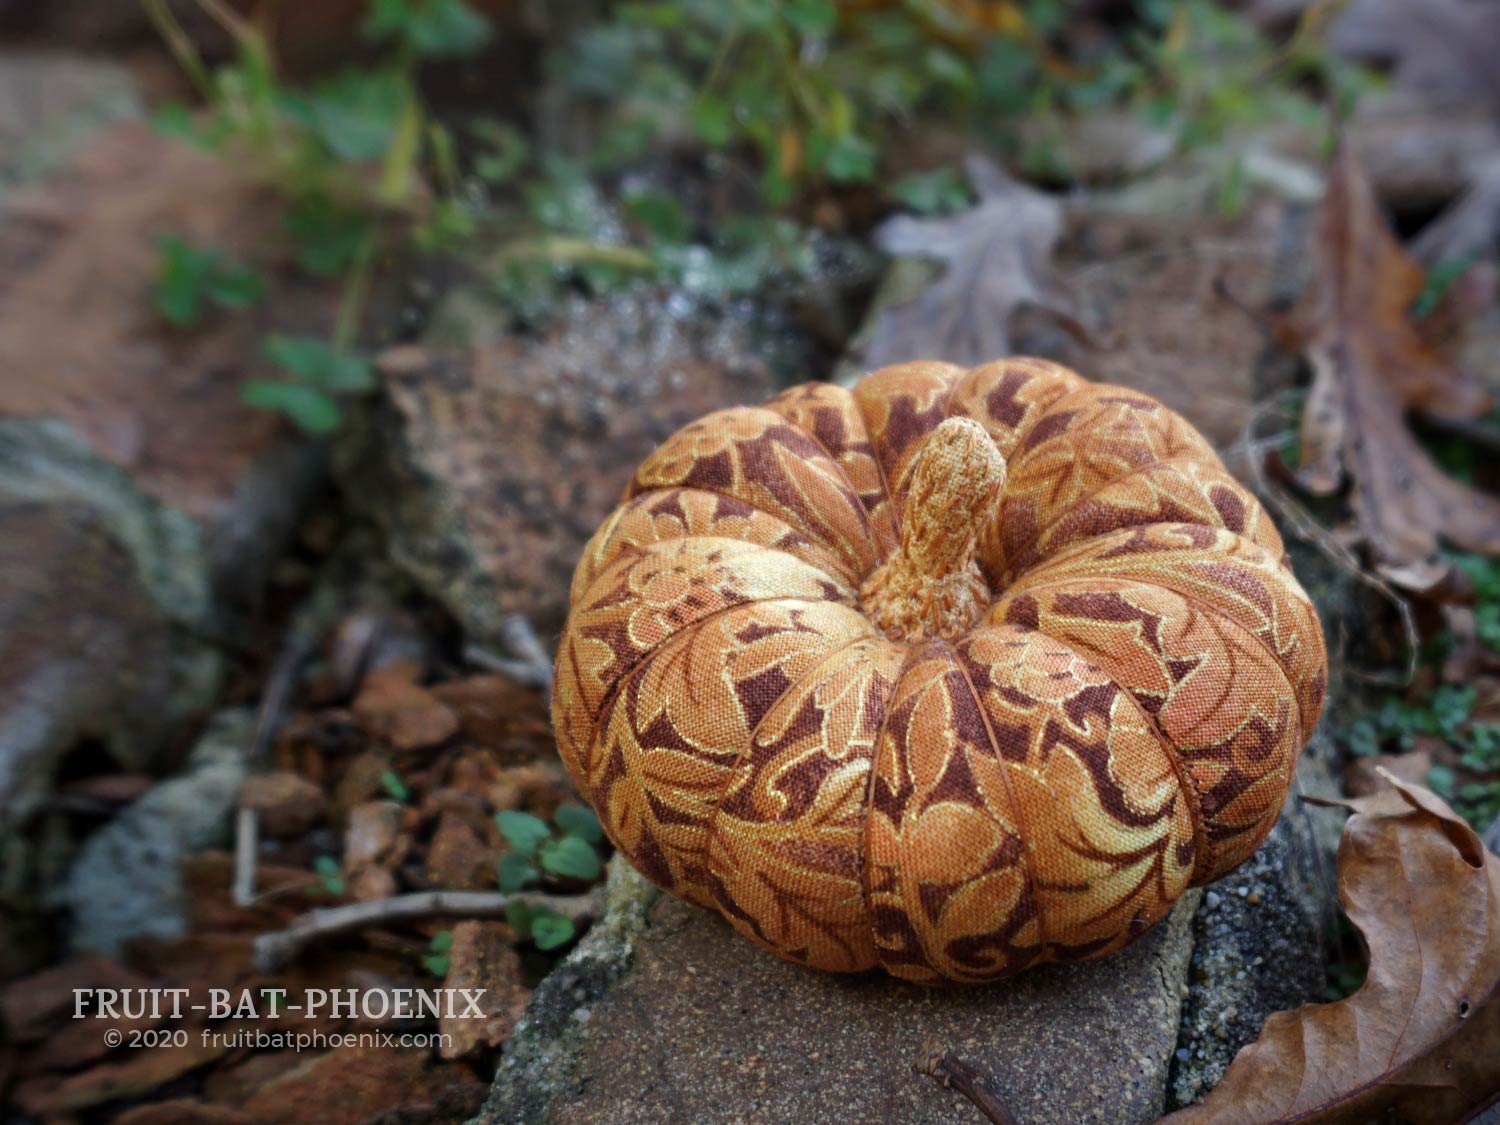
x=1172 y=751
x=1185 y=783
x=848 y=480
x=682 y=635
x=864 y=850
x=1190 y=459
x=1020 y=432
x=859 y=504
x=634 y=549
x=818 y=665
x=794 y=686
x=1073 y=551
x=890 y=495
x=1201 y=606
x=879 y=557
x=885 y=484
x=812 y=534
x=1042 y=373
x=1010 y=796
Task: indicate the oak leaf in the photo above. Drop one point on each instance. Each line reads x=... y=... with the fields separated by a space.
x=1370 y=366
x=1420 y=1040
x=998 y=256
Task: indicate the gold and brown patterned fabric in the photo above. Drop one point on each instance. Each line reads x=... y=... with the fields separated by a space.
x=955 y=673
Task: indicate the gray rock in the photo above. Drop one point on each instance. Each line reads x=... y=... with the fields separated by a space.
x=142 y=502
x=540 y=1067
x=704 y=1027
x=102 y=585
x=491 y=462
x=50 y=103
x=1260 y=935
x=127 y=881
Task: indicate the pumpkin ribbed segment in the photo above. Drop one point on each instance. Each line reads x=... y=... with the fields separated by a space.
x=1121 y=720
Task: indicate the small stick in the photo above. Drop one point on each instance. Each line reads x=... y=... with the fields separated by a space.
x=952 y=1073
x=294 y=653
x=277 y=948
x=522 y=640
x=529 y=663
x=518 y=670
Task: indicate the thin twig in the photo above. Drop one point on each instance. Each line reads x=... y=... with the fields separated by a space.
x=528 y=662
x=522 y=671
x=294 y=653
x=951 y=1073
x=230 y=22
x=275 y=949
x=521 y=639
x=181 y=45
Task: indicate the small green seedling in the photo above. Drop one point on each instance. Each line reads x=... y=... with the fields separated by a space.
x=391 y=782
x=318 y=375
x=193 y=279
x=546 y=927
x=571 y=852
x=438 y=956
x=330 y=875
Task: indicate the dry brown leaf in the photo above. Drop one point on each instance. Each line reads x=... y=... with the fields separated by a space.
x=998 y=257
x=1370 y=365
x=1441 y=50
x=484 y=957
x=1420 y=1040
x=132 y=1075
x=394 y=707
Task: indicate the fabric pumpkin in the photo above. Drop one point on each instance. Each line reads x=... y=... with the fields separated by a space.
x=954 y=673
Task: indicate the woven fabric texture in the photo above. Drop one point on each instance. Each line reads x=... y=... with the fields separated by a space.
x=1120 y=721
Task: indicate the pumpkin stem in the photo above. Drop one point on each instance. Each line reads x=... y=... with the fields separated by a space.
x=932 y=586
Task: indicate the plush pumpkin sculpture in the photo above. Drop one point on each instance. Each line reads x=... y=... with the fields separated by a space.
x=954 y=673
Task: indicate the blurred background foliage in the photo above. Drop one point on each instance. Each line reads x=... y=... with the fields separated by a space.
x=789 y=116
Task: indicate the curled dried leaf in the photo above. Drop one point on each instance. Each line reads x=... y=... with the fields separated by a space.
x=1420 y=1040
x=1370 y=365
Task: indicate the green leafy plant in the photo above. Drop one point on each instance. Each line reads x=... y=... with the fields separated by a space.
x=1194 y=71
x=438 y=956
x=316 y=376
x=568 y=849
x=1397 y=722
x=1476 y=801
x=391 y=782
x=353 y=156
x=542 y=925
x=330 y=875
x=1448 y=714
x=805 y=85
x=432 y=28
x=1484 y=573
x=939 y=192
x=192 y=279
